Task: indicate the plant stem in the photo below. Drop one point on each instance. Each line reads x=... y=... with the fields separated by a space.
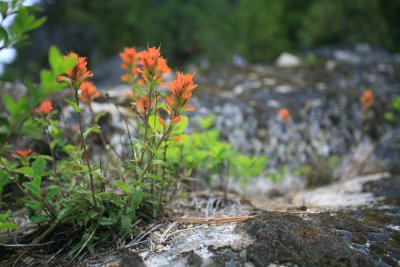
x=126 y=125
x=163 y=177
x=101 y=134
x=84 y=148
x=53 y=157
x=146 y=125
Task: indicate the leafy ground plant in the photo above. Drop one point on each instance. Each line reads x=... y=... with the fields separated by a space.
x=73 y=192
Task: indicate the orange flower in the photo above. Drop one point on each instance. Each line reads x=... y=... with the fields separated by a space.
x=177 y=138
x=176 y=119
x=284 y=115
x=152 y=65
x=44 y=108
x=130 y=60
x=24 y=153
x=367 y=100
x=161 y=121
x=181 y=89
x=143 y=104
x=78 y=74
x=88 y=92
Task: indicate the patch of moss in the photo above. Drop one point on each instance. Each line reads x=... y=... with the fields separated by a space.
x=308 y=233
x=358 y=238
x=376 y=217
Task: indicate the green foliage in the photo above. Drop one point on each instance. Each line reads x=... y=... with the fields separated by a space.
x=345 y=22
x=203 y=153
x=23 y=21
x=5 y=224
x=394 y=112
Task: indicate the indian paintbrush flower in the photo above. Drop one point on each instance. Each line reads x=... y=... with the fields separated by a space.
x=284 y=115
x=23 y=153
x=88 y=92
x=152 y=66
x=367 y=100
x=178 y=102
x=44 y=108
x=130 y=58
x=77 y=75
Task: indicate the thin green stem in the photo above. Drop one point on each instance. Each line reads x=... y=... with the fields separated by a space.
x=86 y=155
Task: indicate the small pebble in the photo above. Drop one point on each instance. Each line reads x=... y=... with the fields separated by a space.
x=159 y=248
x=190 y=226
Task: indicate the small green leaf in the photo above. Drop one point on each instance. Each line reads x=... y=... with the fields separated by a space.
x=52 y=191
x=34 y=204
x=28 y=171
x=106 y=221
x=180 y=127
x=95 y=129
x=7 y=226
x=73 y=105
x=39 y=166
x=38 y=218
x=32 y=188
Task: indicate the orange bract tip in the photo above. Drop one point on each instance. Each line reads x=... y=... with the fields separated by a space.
x=143 y=104
x=23 y=153
x=88 y=92
x=284 y=115
x=77 y=74
x=367 y=100
x=177 y=138
x=44 y=108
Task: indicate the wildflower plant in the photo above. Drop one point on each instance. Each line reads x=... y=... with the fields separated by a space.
x=67 y=188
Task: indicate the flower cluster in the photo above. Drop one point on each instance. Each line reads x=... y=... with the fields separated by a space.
x=130 y=58
x=88 y=92
x=367 y=100
x=181 y=89
x=77 y=75
x=284 y=115
x=148 y=65
x=44 y=108
x=23 y=153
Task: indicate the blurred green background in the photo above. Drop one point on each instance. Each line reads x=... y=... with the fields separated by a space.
x=215 y=30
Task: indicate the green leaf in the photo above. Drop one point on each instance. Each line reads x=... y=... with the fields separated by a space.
x=180 y=127
x=205 y=123
x=95 y=129
x=7 y=226
x=34 y=204
x=39 y=166
x=38 y=218
x=37 y=181
x=32 y=188
x=73 y=105
x=100 y=115
x=3 y=35
x=106 y=221
x=58 y=63
x=154 y=123
x=4 y=179
x=3 y=217
x=52 y=191
x=389 y=116
x=28 y=171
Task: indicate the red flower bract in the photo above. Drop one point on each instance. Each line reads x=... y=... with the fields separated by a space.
x=181 y=89
x=78 y=74
x=152 y=65
x=143 y=104
x=130 y=60
x=44 y=108
x=88 y=92
x=284 y=115
x=367 y=100
x=23 y=153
